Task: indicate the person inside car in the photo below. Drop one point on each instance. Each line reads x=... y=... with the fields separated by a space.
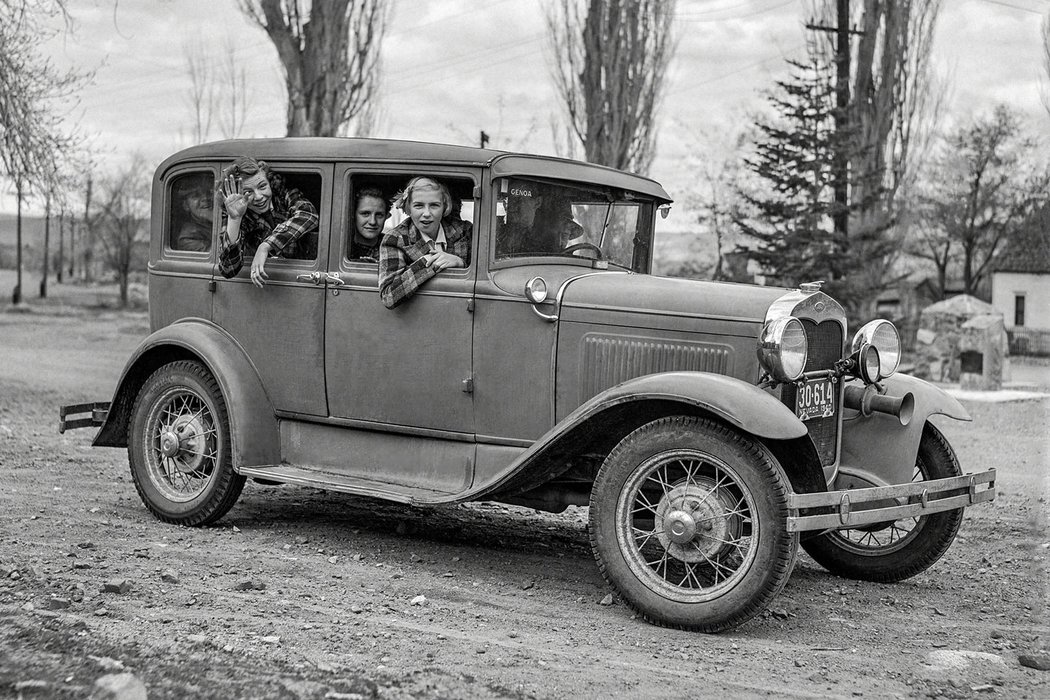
x=195 y=203
x=261 y=218
x=430 y=240
x=370 y=214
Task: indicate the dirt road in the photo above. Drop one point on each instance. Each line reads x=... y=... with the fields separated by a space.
x=299 y=593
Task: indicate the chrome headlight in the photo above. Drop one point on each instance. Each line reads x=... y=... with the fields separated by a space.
x=782 y=348
x=536 y=290
x=883 y=336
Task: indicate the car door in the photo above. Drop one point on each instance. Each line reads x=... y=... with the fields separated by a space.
x=281 y=326
x=406 y=369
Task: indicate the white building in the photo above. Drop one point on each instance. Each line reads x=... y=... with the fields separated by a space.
x=1021 y=289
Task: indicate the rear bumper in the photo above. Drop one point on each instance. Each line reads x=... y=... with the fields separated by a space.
x=836 y=510
x=69 y=416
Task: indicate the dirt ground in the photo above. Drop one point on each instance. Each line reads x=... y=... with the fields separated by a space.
x=299 y=593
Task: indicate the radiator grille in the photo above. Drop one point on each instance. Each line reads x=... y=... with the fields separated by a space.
x=609 y=360
x=825 y=349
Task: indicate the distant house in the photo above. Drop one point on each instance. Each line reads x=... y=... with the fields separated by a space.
x=1021 y=288
x=904 y=302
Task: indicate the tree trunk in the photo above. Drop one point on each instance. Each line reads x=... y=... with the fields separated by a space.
x=47 y=248
x=16 y=297
x=61 y=244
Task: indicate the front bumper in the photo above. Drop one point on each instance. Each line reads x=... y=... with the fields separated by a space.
x=836 y=510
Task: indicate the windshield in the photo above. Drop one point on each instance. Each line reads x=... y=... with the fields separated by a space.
x=586 y=222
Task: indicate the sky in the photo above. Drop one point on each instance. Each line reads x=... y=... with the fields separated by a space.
x=452 y=68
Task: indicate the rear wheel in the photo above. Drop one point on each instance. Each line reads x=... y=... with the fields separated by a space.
x=179 y=446
x=893 y=551
x=688 y=523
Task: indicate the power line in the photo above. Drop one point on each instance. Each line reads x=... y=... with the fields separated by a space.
x=684 y=18
x=1013 y=7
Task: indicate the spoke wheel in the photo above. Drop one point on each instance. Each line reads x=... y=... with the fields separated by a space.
x=894 y=551
x=182 y=455
x=179 y=446
x=688 y=523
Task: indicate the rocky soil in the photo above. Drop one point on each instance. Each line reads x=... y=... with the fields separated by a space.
x=299 y=593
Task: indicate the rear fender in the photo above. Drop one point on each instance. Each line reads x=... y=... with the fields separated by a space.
x=876 y=449
x=601 y=422
x=254 y=436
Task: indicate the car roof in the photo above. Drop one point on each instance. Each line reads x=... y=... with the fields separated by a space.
x=502 y=163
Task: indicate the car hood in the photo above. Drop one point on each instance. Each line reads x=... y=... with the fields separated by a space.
x=647 y=301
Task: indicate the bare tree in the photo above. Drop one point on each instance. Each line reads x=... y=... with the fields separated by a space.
x=895 y=102
x=218 y=96
x=123 y=219
x=609 y=61
x=32 y=135
x=982 y=185
x=200 y=96
x=330 y=51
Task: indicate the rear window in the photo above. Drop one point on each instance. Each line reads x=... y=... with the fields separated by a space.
x=192 y=213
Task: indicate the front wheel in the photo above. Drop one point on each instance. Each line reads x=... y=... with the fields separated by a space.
x=893 y=551
x=688 y=522
x=179 y=446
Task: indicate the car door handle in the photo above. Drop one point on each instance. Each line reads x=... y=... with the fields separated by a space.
x=334 y=280
x=314 y=277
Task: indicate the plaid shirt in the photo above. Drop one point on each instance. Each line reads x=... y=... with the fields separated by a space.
x=291 y=216
x=402 y=269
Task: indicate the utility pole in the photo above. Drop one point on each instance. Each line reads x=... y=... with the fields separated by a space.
x=842 y=102
x=842 y=109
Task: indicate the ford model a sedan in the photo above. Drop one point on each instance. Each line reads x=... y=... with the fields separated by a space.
x=711 y=428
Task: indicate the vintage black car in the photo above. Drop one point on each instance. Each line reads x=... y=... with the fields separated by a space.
x=710 y=427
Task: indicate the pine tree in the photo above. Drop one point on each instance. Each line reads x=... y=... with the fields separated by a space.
x=789 y=214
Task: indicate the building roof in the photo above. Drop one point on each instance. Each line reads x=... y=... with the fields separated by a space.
x=1029 y=250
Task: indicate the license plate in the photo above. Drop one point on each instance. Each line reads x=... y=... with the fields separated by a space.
x=815 y=399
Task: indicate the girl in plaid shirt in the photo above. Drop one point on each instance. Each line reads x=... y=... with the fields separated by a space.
x=260 y=218
x=424 y=244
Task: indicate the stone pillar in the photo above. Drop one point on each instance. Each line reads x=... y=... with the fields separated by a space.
x=982 y=353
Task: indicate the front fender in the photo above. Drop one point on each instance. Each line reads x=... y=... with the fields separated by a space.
x=880 y=450
x=254 y=436
x=603 y=420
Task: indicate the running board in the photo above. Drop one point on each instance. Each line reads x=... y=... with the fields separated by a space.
x=331 y=481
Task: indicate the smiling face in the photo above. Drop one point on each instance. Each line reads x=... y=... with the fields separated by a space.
x=257 y=188
x=426 y=209
x=198 y=204
x=370 y=215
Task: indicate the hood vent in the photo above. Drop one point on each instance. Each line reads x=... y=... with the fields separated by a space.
x=611 y=359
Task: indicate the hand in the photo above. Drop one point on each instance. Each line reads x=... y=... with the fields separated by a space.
x=234 y=199
x=441 y=260
x=259 y=275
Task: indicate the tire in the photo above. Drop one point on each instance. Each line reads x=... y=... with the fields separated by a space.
x=179 y=446
x=688 y=523
x=894 y=551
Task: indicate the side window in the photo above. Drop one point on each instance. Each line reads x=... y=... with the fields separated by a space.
x=295 y=192
x=373 y=209
x=191 y=223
